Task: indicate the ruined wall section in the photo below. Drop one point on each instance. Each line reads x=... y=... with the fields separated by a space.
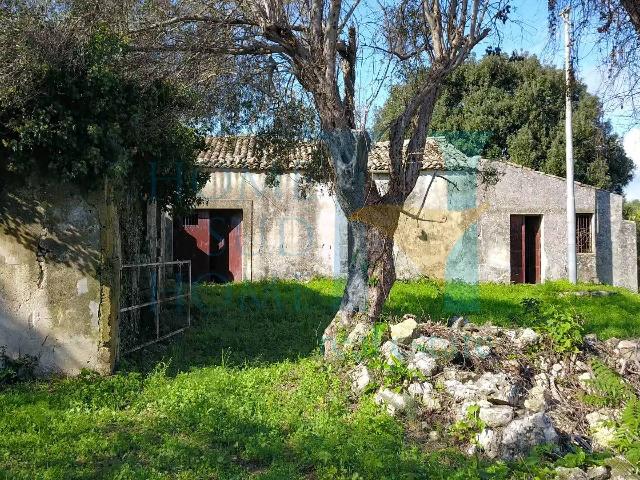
x=59 y=269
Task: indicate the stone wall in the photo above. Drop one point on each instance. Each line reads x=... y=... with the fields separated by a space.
x=59 y=277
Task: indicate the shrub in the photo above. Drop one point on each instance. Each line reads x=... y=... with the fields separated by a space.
x=607 y=388
x=561 y=325
x=85 y=117
x=13 y=370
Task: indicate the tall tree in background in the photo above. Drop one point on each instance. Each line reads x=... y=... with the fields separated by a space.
x=518 y=104
x=437 y=37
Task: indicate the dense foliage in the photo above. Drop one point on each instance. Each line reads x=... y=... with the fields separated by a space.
x=513 y=108
x=82 y=117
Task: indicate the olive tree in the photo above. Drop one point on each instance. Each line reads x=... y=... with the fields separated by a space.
x=316 y=42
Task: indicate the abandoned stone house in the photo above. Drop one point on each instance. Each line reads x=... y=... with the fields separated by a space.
x=511 y=229
x=63 y=252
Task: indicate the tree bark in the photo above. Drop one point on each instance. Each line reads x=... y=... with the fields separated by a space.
x=633 y=9
x=349 y=152
x=382 y=270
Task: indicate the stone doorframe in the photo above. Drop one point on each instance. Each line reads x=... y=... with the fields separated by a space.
x=247 y=228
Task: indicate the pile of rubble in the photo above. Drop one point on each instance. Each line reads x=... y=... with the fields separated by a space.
x=521 y=393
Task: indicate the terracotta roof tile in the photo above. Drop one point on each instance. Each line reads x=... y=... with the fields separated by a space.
x=242 y=152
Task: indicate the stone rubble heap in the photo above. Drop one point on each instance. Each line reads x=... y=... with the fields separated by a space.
x=522 y=392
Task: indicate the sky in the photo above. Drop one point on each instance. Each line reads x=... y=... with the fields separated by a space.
x=528 y=32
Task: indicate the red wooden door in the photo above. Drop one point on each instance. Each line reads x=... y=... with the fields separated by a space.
x=517 y=249
x=192 y=242
x=235 y=246
x=226 y=245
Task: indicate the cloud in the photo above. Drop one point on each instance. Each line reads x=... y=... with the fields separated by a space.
x=631 y=143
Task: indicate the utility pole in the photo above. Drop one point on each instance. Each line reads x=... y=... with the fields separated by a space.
x=571 y=201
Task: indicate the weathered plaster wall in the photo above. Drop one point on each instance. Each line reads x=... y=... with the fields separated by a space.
x=524 y=191
x=628 y=268
x=292 y=237
x=58 y=277
x=284 y=235
x=421 y=247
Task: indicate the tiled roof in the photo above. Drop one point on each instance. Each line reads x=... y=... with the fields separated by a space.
x=243 y=152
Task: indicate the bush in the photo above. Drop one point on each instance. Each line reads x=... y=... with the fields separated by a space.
x=14 y=370
x=561 y=325
x=85 y=116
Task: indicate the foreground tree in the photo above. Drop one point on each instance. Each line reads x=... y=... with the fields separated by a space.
x=438 y=37
x=316 y=43
x=516 y=105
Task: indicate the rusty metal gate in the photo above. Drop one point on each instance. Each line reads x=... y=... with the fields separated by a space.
x=155 y=303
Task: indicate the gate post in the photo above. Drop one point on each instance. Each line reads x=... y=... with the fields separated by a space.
x=108 y=312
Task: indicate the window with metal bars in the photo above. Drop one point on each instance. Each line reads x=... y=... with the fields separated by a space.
x=584 y=239
x=190 y=220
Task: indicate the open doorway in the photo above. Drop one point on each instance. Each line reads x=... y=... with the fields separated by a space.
x=525 y=248
x=212 y=240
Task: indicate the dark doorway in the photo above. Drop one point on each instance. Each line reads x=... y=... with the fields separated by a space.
x=212 y=240
x=525 y=248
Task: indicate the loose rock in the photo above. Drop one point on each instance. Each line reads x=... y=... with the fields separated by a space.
x=521 y=435
x=435 y=346
x=598 y=473
x=602 y=432
x=537 y=399
x=360 y=378
x=496 y=415
x=621 y=469
x=424 y=363
x=357 y=335
x=497 y=388
x=527 y=337
x=563 y=473
x=395 y=402
x=391 y=351
x=488 y=441
x=480 y=351
x=457 y=322
x=415 y=390
x=430 y=399
x=403 y=332
x=628 y=350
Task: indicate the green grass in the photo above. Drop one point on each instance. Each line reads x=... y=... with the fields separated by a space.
x=244 y=394
x=611 y=316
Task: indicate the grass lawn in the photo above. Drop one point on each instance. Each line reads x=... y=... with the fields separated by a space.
x=617 y=315
x=244 y=394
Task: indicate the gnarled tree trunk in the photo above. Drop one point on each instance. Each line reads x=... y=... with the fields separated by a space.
x=382 y=270
x=349 y=151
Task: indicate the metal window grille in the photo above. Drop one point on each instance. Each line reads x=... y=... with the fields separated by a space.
x=157 y=303
x=584 y=239
x=190 y=220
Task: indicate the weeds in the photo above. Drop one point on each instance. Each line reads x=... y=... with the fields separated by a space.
x=561 y=325
x=13 y=370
